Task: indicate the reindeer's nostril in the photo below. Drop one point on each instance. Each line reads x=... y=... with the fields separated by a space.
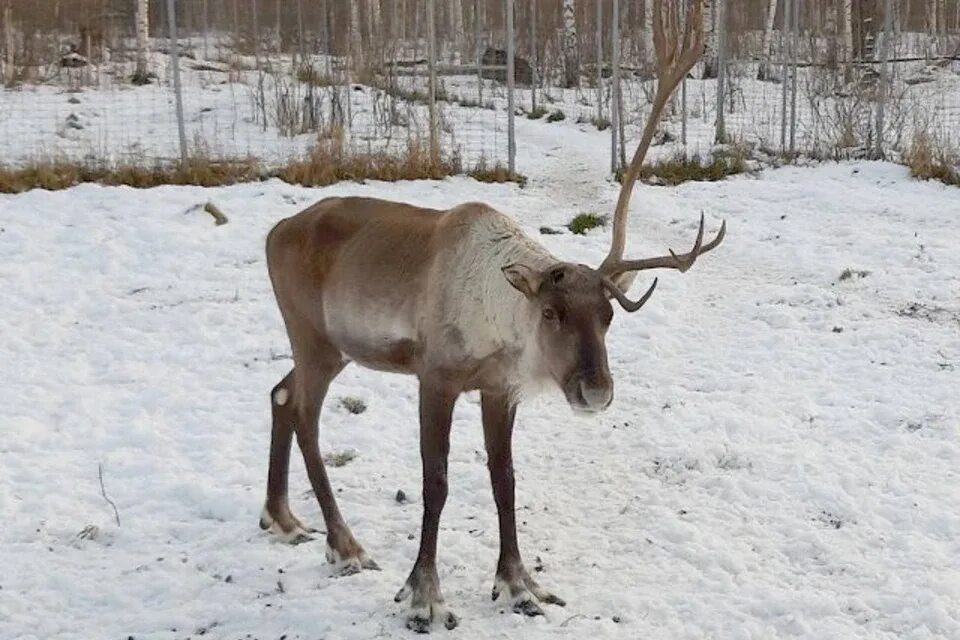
x=597 y=397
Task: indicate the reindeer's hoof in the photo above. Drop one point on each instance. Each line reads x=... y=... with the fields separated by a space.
x=287 y=528
x=421 y=619
x=527 y=606
x=355 y=560
x=427 y=605
x=525 y=593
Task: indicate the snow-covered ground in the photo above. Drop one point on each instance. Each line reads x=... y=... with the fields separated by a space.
x=781 y=459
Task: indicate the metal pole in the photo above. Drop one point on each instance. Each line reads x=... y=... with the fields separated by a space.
x=720 y=6
x=432 y=66
x=615 y=101
x=600 y=61
x=787 y=11
x=795 y=51
x=177 y=89
x=884 y=73
x=511 y=81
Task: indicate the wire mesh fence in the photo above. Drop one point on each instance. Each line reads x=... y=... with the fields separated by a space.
x=94 y=81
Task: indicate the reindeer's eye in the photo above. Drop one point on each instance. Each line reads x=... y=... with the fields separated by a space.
x=549 y=314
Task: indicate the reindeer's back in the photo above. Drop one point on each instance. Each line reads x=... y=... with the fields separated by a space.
x=366 y=271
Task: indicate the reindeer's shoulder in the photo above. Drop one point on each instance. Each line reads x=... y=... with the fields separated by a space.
x=482 y=220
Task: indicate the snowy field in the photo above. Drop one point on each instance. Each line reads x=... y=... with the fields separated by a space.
x=781 y=459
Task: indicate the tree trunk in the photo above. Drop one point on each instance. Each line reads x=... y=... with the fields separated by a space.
x=847 y=47
x=142 y=23
x=711 y=12
x=456 y=34
x=832 y=34
x=356 y=42
x=8 y=44
x=648 y=53
x=763 y=73
x=571 y=49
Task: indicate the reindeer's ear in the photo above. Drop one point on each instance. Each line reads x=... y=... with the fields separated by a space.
x=523 y=278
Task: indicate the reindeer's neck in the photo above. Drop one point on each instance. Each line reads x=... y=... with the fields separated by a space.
x=496 y=317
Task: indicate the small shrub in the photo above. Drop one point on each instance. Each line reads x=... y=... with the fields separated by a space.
x=536 y=114
x=683 y=168
x=329 y=162
x=308 y=74
x=602 y=123
x=496 y=173
x=356 y=406
x=583 y=222
x=929 y=160
x=556 y=116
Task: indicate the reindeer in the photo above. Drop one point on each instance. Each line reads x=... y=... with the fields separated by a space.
x=463 y=300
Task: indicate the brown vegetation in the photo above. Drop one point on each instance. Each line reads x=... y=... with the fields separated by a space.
x=929 y=159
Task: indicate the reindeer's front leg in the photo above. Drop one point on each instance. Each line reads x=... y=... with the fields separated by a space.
x=436 y=414
x=498 y=416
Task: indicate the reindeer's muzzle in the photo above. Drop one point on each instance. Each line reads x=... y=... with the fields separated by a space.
x=589 y=393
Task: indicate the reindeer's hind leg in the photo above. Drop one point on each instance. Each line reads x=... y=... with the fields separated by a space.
x=276 y=515
x=317 y=363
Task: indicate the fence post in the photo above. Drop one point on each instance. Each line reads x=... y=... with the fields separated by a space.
x=615 y=93
x=432 y=67
x=177 y=88
x=600 y=61
x=720 y=135
x=794 y=54
x=884 y=84
x=511 y=82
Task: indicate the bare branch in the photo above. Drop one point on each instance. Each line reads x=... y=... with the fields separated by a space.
x=103 y=492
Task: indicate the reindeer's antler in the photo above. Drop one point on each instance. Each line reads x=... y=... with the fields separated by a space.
x=676 y=55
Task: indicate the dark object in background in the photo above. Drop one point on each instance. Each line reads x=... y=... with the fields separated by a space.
x=523 y=72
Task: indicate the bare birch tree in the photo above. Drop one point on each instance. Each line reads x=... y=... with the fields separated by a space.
x=847 y=47
x=712 y=10
x=763 y=72
x=571 y=48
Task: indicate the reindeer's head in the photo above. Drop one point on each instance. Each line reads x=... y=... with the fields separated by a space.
x=573 y=301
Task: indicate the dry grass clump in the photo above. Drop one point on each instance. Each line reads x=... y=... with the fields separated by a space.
x=928 y=159
x=331 y=161
x=684 y=168
x=53 y=174
x=484 y=172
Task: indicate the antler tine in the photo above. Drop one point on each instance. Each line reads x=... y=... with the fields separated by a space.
x=622 y=298
x=680 y=262
x=676 y=55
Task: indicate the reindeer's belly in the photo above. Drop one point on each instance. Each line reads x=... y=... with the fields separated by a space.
x=376 y=331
